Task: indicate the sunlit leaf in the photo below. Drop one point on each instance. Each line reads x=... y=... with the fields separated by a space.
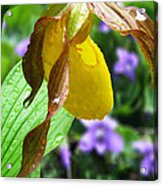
x=132 y=21
x=17 y=121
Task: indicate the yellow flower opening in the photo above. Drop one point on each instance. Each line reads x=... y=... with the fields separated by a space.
x=90 y=88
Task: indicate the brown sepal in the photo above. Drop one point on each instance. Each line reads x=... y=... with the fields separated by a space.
x=33 y=148
x=32 y=60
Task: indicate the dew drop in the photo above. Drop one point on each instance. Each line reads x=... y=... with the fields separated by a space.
x=16 y=89
x=10 y=81
x=27 y=93
x=14 y=142
x=140 y=14
x=9 y=13
x=56 y=100
x=59 y=138
x=18 y=69
x=9 y=166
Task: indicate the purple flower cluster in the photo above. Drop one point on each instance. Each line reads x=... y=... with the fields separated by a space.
x=126 y=64
x=101 y=136
x=149 y=160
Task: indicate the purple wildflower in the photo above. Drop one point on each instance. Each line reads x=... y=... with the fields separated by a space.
x=147 y=150
x=127 y=63
x=100 y=135
x=65 y=154
x=104 y=28
x=21 y=48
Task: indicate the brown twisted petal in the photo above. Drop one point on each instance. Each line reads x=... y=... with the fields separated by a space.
x=33 y=148
x=32 y=61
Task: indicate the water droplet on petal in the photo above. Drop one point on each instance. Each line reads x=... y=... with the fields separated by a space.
x=140 y=14
x=56 y=100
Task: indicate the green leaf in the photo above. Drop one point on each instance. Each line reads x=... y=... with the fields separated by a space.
x=17 y=121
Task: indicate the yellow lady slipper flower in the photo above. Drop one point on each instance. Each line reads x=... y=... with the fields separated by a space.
x=90 y=89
